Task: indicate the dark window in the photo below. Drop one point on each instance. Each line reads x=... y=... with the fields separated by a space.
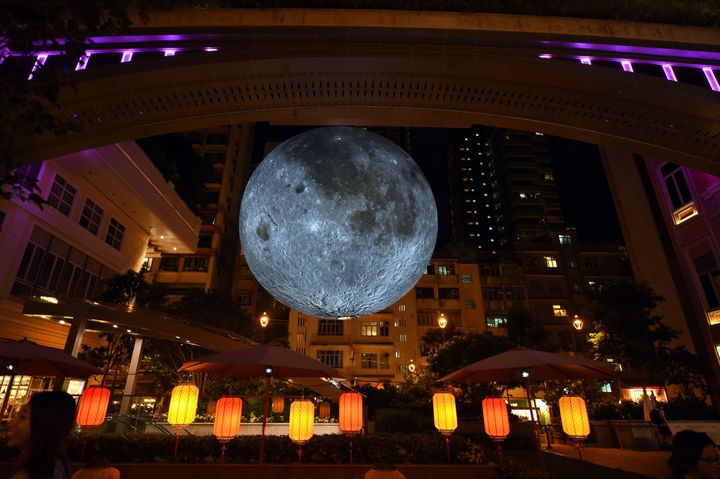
x=427 y=317
x=331 y=327
x=384 y=328
x=28 y=175
x=169 y=263
x=331 y=357
x=425 y=293
x=429 y=269
x=369 y=361
x=449 y=293
x=385 y=361
x=205 y=241
x=709 y=275
x=195 y=263
x=62 y=195
x=115 y=233
x=91 y=216
x=2 y=219
x=676 y=185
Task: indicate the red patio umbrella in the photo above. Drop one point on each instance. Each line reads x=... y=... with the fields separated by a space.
x=266 y=360
x=539 y=365
x=27 y=358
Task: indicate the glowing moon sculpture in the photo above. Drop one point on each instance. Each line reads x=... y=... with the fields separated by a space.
x=338 y=222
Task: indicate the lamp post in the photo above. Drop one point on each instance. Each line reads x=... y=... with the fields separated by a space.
x=442 y=322
x=264 y=321
x=577 y=324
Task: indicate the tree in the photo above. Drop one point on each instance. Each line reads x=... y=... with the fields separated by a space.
x=626 y=329
x=131 y=287
x=523 y=330
x=212 y=309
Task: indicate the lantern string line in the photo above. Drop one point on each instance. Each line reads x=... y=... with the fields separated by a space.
x=300 y=455
x=222 y=454
x=351 y=451
x=447 y=444
x=177 y=443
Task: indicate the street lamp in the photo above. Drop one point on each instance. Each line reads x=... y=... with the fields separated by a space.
x=442 y=322
x=264 y=319
x=577 y=322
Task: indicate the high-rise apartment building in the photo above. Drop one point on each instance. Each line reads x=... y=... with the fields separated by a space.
x=387 y=345
x=211 y=266
x=507 y=216
x=688 y=203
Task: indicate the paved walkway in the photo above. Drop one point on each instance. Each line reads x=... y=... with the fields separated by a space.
x=649 y=463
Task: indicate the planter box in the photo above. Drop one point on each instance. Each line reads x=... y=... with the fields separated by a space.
x=636 y=435
x=602 y=434
x=289 y=471
x=255 y=428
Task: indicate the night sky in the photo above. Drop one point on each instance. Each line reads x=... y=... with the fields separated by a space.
x=582 y=186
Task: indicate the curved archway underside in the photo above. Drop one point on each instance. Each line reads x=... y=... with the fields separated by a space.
x=391 y=85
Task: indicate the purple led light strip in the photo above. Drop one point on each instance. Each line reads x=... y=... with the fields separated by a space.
x=627 y=66
x=585 y=60
x=669 y=72
x=39 y=62
x=712 y=80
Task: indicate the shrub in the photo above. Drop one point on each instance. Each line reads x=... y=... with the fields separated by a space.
x=401 y=420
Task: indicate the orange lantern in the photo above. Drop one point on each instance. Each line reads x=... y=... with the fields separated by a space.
x=93 y=405
x=574 y=417
x=324 y=410
x=445 y=413
x=182 y=409
x=228 y=414
x=350 y=412
x=302 y=421
x=278 y=405
x=183 y=405
x=495 y=417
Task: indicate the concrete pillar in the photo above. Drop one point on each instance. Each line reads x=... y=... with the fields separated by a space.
x=132 y=375
x=643 y=237
x=73 y=343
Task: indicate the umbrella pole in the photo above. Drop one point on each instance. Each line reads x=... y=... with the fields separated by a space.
x=541 y=460
x=265 y=412
x=7 y=396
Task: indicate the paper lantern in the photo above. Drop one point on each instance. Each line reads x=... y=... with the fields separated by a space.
x=183 y=405
x=302 y=420
x=574 y=417
x=350 y=412
x=278 y=405
x=324 y=410
x=495 y=417
x=445 y=412
x=92 y=408
x=228 y=414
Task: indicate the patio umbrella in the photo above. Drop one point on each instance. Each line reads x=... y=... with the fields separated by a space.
x=266 y=360
x=27 y=358
x=539 y=365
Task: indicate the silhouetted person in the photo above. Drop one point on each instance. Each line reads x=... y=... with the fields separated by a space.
x=40 y=431
x=694 y=456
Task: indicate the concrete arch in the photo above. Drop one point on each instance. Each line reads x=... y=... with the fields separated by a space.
x=345 y=81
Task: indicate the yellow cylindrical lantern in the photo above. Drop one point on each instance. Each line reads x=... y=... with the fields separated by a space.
x=495 y=417
x=324 y=410
x=278 y=405
x=574 y=417
x=445 y=412
x=302 y=420
x=228 y=414
x=183 y=405
x=92 y=407
x=350 y=412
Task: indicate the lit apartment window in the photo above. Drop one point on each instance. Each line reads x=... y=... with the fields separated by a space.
x=446 y=269
x=684 y=213
x=403 y=338
x=331 y=327
x=147 y=263
x=495 y=321
x=91 y=216
x=369 y=329
x=330 y=357
x=62 y=195
x=301 y=320
x=550 y=261
x=713 y=316
x=115 y=234
x=549 y=177
x=401 y=307
x=397 y=354
x=564 y=239
x=606 y=388
x=559 y=311
x=400 y=322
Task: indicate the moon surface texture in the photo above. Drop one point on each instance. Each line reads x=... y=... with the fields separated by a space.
x=338 y=222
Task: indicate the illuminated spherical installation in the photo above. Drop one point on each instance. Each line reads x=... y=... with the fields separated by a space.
x=338 y=222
